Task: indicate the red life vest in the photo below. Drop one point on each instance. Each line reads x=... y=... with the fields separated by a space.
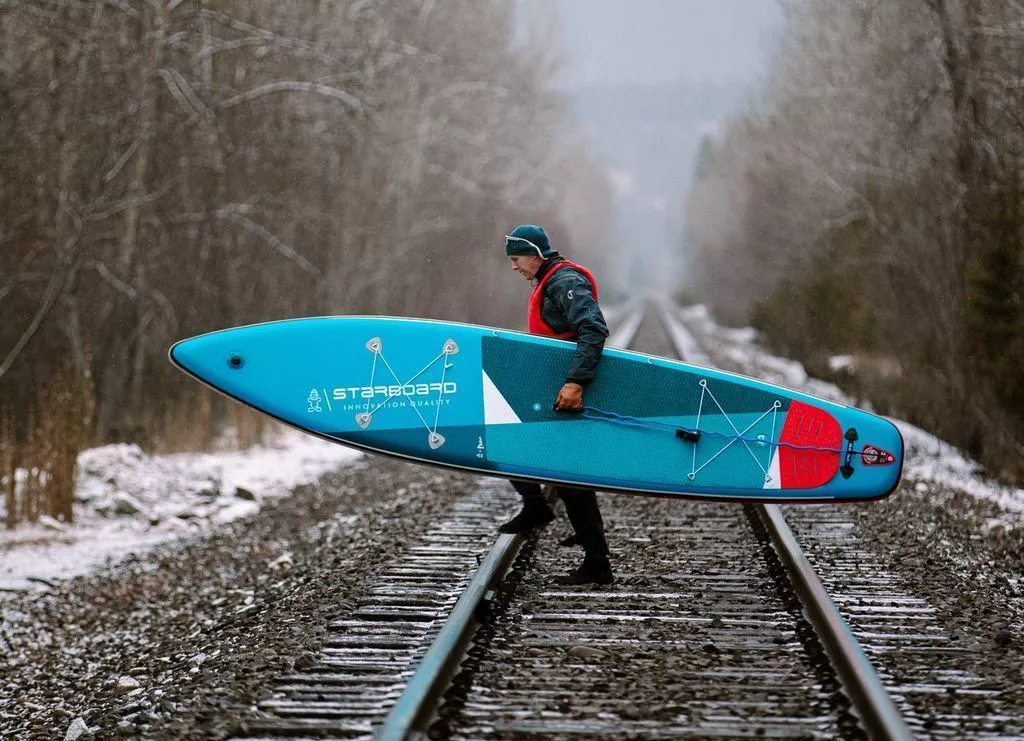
x=534 y=321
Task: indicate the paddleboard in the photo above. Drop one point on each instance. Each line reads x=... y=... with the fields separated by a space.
x=480 y=399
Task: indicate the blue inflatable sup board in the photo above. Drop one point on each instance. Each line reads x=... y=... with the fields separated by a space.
x=480 y=399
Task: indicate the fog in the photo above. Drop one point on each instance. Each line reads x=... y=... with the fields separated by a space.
x=658 y=42
x=647 y=79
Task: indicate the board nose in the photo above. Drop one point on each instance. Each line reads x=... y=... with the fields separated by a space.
x=208 y=357
x=182 y=354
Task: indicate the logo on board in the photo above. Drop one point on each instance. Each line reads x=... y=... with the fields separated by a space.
x=874 y=456
x=410 y=389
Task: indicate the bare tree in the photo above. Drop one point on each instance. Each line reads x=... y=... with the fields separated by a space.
x=174 y=167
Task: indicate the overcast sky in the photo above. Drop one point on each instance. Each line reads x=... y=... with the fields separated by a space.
x=661 y=41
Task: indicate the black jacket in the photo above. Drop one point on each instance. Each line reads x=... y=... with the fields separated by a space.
x=568 y=305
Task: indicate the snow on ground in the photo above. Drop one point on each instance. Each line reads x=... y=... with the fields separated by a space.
x=126 y=500
x=930 y=463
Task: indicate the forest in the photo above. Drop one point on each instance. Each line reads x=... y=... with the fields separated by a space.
x=866 y=211
x=176 y=166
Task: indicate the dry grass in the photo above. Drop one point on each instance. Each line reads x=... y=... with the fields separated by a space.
x=205 y=420
x=46 y=452
x=8 y=471
x=186 y=425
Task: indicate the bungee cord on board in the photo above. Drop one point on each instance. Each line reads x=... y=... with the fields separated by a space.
x=363 y=419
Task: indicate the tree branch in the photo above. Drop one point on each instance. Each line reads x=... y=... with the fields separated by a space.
x=182 y=92
x=58 y=280
x=293 y=86
x=233 y=213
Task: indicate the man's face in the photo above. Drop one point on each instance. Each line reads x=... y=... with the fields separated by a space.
x=526 y=265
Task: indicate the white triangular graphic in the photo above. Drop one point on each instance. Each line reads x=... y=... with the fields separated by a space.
x=496 y=410
x=773 y=480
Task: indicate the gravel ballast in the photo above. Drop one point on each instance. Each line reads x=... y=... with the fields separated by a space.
x=184 y=640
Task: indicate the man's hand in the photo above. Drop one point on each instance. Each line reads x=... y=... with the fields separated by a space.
x=570 y=398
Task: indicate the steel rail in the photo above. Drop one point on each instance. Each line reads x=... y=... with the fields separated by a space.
x=871 y=701
x=417 y=704
x=623 y=336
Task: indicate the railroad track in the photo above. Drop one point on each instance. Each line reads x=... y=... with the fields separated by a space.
x=705 y=633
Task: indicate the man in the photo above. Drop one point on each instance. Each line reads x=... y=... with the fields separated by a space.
x=564 y=305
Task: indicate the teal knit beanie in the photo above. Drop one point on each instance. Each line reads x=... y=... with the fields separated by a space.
x=529 y=239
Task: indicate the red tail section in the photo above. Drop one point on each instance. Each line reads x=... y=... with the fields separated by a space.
x=808 y=426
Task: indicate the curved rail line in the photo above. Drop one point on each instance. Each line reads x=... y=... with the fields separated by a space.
x=925 y=659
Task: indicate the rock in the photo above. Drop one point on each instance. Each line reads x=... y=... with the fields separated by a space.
x=243 y=493
x=127 y=684
x=76 y=729
x=282 y=562
x=126 y=504
x=586 y=653
x=233 y=509
x=51 y=524
x=103 y=507
x=39 y=580
x=210 y=491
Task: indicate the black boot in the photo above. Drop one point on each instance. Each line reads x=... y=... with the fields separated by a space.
x=594 y=570
x=585 y=516
x=530 y=516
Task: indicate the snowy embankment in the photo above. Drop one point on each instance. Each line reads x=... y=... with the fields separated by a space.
x=126 y=500
x=930 y=463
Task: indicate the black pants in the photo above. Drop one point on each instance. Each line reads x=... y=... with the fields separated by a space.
x=580 y=506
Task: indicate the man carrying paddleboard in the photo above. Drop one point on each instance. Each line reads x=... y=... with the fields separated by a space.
x=563 y=305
